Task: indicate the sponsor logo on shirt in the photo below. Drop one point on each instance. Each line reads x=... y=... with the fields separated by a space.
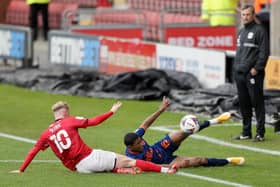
x=250 y=35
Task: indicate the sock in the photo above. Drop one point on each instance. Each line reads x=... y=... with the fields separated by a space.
x=148 y=166
x=216 y=162
x=213 y=121
x=204 y=125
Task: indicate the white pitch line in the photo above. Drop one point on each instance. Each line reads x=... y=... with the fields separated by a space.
x=219 y=125
x=17 y=138
x=35 y=161
x=55 y=161
x=224 y=143
x=211 y=179
x=178 y=173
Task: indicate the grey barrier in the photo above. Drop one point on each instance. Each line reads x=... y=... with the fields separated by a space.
x=73 y=49
x=16 y=43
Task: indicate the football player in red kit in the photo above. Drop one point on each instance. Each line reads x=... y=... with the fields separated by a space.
x=63 y=138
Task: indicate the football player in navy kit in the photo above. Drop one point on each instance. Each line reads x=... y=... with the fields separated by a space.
x=162 y=151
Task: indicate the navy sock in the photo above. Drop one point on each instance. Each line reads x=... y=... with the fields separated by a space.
x=216 y=162
x=203 y=124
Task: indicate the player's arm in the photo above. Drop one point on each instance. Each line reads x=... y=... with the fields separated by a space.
x=99 y=119
x=149 y=120
x=30 y=156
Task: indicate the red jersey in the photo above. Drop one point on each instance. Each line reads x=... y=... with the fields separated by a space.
x=63 y=138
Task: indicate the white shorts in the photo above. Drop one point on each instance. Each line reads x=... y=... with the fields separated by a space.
x=97 y=161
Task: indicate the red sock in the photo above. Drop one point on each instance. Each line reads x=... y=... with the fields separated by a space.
x=148 y=166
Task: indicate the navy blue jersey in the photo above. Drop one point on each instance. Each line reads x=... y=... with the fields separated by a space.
x=161 y=152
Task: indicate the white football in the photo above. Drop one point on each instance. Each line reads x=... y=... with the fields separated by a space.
x=189 y=123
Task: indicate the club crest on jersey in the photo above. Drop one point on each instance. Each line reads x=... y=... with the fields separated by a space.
x=165 y=144
x=250 y=35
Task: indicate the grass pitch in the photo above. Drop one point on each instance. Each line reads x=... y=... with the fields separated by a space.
x=27 y=113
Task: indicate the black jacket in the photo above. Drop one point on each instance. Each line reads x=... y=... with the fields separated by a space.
x=252 y=48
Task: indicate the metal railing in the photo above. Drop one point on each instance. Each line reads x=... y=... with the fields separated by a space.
x=104 y=18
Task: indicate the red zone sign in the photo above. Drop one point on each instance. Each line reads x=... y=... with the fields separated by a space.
x=220 y=37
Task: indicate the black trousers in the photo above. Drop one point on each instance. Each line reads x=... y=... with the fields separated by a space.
x=35 y=9
x=250 y=94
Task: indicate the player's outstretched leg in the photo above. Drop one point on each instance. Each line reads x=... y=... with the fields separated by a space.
x=149 y=166
x=126 y=162
x=222 y=162
x=185 y=162
x=220 y=119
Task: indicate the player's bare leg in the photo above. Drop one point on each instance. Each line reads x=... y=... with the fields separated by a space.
x=184 y=162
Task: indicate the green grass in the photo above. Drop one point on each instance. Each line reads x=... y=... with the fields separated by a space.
x=26 y=113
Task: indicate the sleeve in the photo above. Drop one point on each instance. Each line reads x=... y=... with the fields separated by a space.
x=140 y=132
x=31 y=154
x=40 y=145
x=83 y=122
x=263 y=50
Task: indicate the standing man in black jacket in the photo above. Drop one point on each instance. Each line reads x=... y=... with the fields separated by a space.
x=249 y=71
x=37 y=6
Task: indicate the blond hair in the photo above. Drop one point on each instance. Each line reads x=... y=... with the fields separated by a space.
x=60 y=104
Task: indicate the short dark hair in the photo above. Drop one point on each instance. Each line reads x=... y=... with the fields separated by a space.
x=130 y=138
x=248 y=6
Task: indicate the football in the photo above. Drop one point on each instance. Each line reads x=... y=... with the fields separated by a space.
x=189 y=123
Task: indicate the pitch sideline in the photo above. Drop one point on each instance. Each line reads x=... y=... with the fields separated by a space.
x=27 y=140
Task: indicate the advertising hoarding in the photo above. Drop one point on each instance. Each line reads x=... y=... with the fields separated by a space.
x=220 y=37
x=74 y=49
x=118 y=55
x=272 y=73
x=207 y=65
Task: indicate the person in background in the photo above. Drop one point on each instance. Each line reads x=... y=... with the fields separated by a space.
x=262 y=8
x=205 y=10
x=162 y=151
x=219 y=13
x=249 y=71
x=37 y=6
x=63 y=138
x=259 y=5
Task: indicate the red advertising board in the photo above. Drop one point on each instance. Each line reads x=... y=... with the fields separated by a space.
x=118 y=55
x=220 y=37
x=129 y=33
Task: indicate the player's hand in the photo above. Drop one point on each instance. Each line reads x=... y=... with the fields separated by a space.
x=15 y=171
x=165 y=103
x=116 y=106
x=253 y=72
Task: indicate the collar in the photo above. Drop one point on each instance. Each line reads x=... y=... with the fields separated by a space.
x=132 y=152
x=249 y=25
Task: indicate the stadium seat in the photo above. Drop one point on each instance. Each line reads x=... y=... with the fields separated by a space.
x=151 y=15
x=18 y=13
